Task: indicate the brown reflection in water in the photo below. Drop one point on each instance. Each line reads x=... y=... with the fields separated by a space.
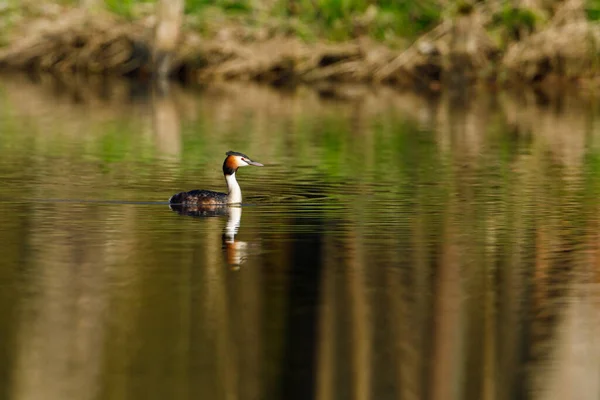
x=166 y=118
x=325 y=367
x=361 y=322
x=561 y=125
x=62 y=324
x=448 y=354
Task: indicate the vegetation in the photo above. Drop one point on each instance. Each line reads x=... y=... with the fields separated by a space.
x=309 y=41
x=592 y=10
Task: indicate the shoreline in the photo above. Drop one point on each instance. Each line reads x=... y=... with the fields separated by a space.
x=456 y=54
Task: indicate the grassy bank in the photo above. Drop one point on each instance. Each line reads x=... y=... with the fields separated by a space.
x=429 y=43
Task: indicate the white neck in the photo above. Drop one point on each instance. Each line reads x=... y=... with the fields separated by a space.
x=235 y=193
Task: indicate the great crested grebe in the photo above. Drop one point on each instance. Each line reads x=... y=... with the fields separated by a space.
x=232 y=162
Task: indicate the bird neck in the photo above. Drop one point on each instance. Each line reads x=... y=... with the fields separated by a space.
x=234 y=194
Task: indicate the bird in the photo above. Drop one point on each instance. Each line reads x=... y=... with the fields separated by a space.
x=233 y=161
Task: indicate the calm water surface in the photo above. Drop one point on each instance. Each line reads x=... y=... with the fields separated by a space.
x=394 y=246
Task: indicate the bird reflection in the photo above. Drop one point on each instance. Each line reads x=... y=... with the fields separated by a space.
x=215 y=210
x=235 y=251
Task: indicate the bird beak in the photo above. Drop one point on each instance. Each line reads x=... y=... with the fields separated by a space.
x=256 y=164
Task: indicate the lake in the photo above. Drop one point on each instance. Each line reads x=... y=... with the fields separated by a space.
x=394 y=246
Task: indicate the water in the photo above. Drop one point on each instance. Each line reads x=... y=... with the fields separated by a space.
x=394 y=246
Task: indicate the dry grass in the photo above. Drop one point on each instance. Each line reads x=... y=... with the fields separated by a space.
x=78 y=42
x=459 y=51
x=570 y=51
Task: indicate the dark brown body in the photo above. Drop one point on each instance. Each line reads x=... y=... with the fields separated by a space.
x=195 y=197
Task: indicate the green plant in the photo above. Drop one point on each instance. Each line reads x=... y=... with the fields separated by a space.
x=193 y=6
x=515 y=21
x=592 y=9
